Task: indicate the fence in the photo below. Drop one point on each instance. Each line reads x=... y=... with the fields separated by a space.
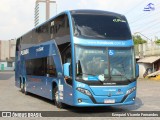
x=147 y=49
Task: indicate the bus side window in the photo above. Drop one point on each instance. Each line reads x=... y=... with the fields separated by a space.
x=51 y=68
x=67 y=56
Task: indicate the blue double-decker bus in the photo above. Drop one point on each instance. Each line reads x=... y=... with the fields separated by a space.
x=79 y=58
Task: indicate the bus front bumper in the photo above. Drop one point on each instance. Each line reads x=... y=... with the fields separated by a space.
x=85 y=100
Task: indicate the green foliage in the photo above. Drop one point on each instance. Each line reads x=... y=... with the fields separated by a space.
x=157 y=41
x=138 y=40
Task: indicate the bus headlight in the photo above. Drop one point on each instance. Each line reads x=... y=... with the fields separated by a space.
x=84 y=91
x=130 y=90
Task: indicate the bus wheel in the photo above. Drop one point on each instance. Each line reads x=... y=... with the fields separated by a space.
x=25 y=89
x=57 y=103
x=22 y=87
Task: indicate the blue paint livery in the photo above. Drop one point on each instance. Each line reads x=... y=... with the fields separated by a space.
x=43 y=85
x=103 y=43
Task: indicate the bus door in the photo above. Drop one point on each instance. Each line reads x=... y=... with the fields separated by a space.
x=64 y=86
x=68 y=82
x=53 y=71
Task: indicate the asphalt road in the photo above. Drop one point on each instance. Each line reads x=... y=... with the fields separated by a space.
x=11 y=99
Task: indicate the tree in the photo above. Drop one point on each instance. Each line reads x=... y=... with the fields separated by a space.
x=157 y=41
x=138 y=40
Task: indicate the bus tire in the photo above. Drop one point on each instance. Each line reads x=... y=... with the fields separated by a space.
x=25 y=89
x=56 y=101
x=22 y=87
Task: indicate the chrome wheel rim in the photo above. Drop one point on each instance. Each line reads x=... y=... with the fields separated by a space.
x=25 y=88
x=56 y=96
x=21 y=86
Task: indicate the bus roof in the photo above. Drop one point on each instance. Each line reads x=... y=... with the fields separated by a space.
x=80 y=11
x=100 y=12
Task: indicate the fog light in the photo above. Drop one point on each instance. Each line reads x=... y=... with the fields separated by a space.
x=79 y=100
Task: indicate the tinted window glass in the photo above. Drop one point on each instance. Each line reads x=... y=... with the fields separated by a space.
x=36 y=67
x=62 y=32
x=41 y=67
x=57 y=29
x=51 y=68
x=101 y=27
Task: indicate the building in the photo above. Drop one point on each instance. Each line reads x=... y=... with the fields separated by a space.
x=44 y=9
x=148 y=58
x=7 y=54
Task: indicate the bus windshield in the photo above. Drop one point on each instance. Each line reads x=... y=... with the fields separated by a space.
x=91 y=26
x=101 y=63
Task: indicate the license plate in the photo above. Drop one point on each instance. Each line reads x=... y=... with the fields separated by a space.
x=107 y=101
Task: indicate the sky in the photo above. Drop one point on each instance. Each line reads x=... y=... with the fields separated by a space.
x=17 y=16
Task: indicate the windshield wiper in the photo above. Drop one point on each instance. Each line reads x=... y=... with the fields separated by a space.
x=124 y=77
x=88 y=74
x=107 y=77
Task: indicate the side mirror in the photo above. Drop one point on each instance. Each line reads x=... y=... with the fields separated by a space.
x=137 y=70
x=66 y=69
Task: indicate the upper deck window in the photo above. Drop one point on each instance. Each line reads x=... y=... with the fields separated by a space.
x=101 y=26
